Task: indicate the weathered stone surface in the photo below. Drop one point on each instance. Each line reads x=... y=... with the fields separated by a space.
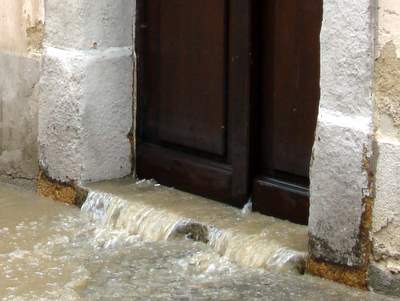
x=21 y=32
x=386 y=223
x=59 y=122
x=35 y=35
x=339 y=183
x=21 y=23
x=387 y=92
x=388 y=25
x=19 y=76
x=385 y=270
x=84 y=24
x=86 y=114
x=347 y=56
x=381 y=280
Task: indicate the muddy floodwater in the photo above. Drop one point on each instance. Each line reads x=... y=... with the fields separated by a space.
x=51 y=251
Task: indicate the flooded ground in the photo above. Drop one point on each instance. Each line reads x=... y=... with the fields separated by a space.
x=51 y=251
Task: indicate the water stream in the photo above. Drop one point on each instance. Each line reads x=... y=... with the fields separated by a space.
x=112 y=250
x=159 y=223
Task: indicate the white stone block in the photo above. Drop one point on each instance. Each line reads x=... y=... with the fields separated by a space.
x=86 y=114
x=347 y=56
x=338 y=184
x=84 y=24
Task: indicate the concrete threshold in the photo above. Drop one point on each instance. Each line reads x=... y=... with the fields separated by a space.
x=249 y=239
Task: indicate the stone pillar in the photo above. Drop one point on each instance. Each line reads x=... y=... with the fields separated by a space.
x=86 y=95
x=341 y=171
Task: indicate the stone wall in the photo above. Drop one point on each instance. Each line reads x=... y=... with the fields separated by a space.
x=21 y=34
x=385 y=270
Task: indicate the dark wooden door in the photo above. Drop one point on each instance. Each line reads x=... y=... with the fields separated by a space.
x=287 y=105
x=228 y=99
x=194 y=90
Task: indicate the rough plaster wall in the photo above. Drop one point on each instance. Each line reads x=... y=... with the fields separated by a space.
x=385 y=273
x=21 y=23
x=339 y=181
x=86 y=90
x=21 y=32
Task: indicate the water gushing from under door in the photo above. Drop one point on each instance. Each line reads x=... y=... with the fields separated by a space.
x=155 y=222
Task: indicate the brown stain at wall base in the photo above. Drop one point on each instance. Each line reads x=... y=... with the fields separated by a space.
x=68 y=193
x=365 y=229
x=369 y=166
x=356 y=276
x=352 y=276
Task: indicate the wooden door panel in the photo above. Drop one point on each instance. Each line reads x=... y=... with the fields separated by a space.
x=284 y=200
x=186 y=172
x=288 y=105
x=192 y=80
x=194 y=95
x=290 y=85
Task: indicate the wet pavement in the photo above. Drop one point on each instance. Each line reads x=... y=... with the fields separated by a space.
x=51 y=251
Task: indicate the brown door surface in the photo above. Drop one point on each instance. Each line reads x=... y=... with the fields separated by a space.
x=287 y=105
x=194 y=89
x=228 y=99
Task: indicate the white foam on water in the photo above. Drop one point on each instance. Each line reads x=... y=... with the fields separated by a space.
x=248 y=207
x=158 y=224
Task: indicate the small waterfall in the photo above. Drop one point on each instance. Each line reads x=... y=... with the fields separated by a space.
x=134 y=218
x=155 y=224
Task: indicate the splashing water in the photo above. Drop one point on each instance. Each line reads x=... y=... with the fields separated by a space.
x=248 y=207
x=157 y=221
